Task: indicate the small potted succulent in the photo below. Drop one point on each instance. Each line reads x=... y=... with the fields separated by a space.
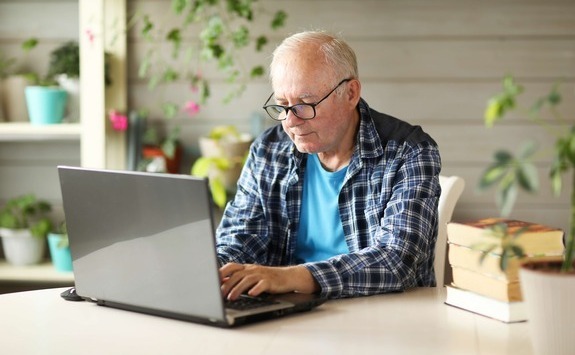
x=24 y=224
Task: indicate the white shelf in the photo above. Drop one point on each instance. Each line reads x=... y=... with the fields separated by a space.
x=23 y=131
x=44 y=272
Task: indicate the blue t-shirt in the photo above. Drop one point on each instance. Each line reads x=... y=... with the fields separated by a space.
x=320 y=234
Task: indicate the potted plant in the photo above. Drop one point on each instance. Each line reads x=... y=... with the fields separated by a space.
x=204 y=36
x=64 y=68
x=60 y=248
x=46 y=102
x=224 y=152
x=161 y=154
x=24 y=224
x=548 y=287
x=56 y=96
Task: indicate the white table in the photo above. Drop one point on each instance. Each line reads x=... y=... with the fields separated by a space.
x=414 y=322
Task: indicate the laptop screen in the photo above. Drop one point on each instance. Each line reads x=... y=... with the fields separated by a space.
x=142 y=239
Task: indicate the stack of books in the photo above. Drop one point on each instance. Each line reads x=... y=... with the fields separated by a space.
x=480 y=286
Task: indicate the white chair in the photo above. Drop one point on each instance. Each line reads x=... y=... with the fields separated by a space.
x=451 y=189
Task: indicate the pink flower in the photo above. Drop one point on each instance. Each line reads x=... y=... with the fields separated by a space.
x=191 y=108
x=119 y=121
x=90 y=35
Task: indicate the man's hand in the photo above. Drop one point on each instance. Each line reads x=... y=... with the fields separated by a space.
x=256 y=279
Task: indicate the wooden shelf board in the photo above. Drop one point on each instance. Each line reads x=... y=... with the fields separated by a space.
x=23 y=131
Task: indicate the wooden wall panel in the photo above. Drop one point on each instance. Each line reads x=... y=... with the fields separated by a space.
x=411 y=18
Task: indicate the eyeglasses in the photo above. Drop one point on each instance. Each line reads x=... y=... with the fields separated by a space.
x=303 y=111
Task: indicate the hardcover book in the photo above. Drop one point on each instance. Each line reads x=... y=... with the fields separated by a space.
x=487 y=285
x=536 y=239
x=469 y=258
x=508 y=312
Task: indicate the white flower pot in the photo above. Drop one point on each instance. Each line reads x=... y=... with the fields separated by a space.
x=72 y=87
x=21 y=247
x=235 y=151
x=549 y=296
x=229 y=149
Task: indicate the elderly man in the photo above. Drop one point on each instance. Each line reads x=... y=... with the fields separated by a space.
x=339 y=199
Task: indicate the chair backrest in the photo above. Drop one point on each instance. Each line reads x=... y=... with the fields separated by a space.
x=451 y=189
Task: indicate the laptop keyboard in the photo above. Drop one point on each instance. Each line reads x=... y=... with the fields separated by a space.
x=245 y=302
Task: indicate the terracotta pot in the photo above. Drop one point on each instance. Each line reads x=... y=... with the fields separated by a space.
x=548 y=295
x=172 y=164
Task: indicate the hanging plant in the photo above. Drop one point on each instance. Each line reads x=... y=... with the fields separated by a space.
x=206 y=33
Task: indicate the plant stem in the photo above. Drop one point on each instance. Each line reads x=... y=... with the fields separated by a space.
x=568 y=261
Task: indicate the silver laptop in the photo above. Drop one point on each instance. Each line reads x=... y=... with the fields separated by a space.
x=145 y=242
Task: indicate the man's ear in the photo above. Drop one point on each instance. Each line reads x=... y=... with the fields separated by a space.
x=353 y=92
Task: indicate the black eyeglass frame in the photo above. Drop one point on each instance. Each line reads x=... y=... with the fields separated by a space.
x=291 y=108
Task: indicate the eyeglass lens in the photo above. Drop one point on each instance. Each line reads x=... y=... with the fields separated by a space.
x=303 y=111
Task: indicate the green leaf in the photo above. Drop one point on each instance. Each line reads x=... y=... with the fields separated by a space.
x=555 y=176
x=144 y=67
x=527 y=150
x=9 y=221
x=201 y=167
x=153 y=81
x=500 y=104
x=169 y=75
x=170 y=109
x=527 y=177
x=493 y=174
x=506 y=198
x=503 y=157
x=261 y=41
x=41 y=228
x=178 y=6
x=493 y=112
x=147 y=27
x=218 y=192
x=257 y=71
x=169 y=148
x=29 y=44
x=279 y=19
x=241 y=37
x=511 y=88
x=174 y=36
x=554 y=97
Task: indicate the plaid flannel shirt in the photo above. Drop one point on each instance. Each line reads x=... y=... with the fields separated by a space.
x=388 y=208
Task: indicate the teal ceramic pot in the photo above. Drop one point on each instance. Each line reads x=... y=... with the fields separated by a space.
x=46 y=104
x=60 y=254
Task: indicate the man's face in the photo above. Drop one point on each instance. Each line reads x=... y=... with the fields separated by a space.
x=333 y=118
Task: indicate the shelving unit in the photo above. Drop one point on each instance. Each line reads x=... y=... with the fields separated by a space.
x=22 y=131
x=100 y=146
